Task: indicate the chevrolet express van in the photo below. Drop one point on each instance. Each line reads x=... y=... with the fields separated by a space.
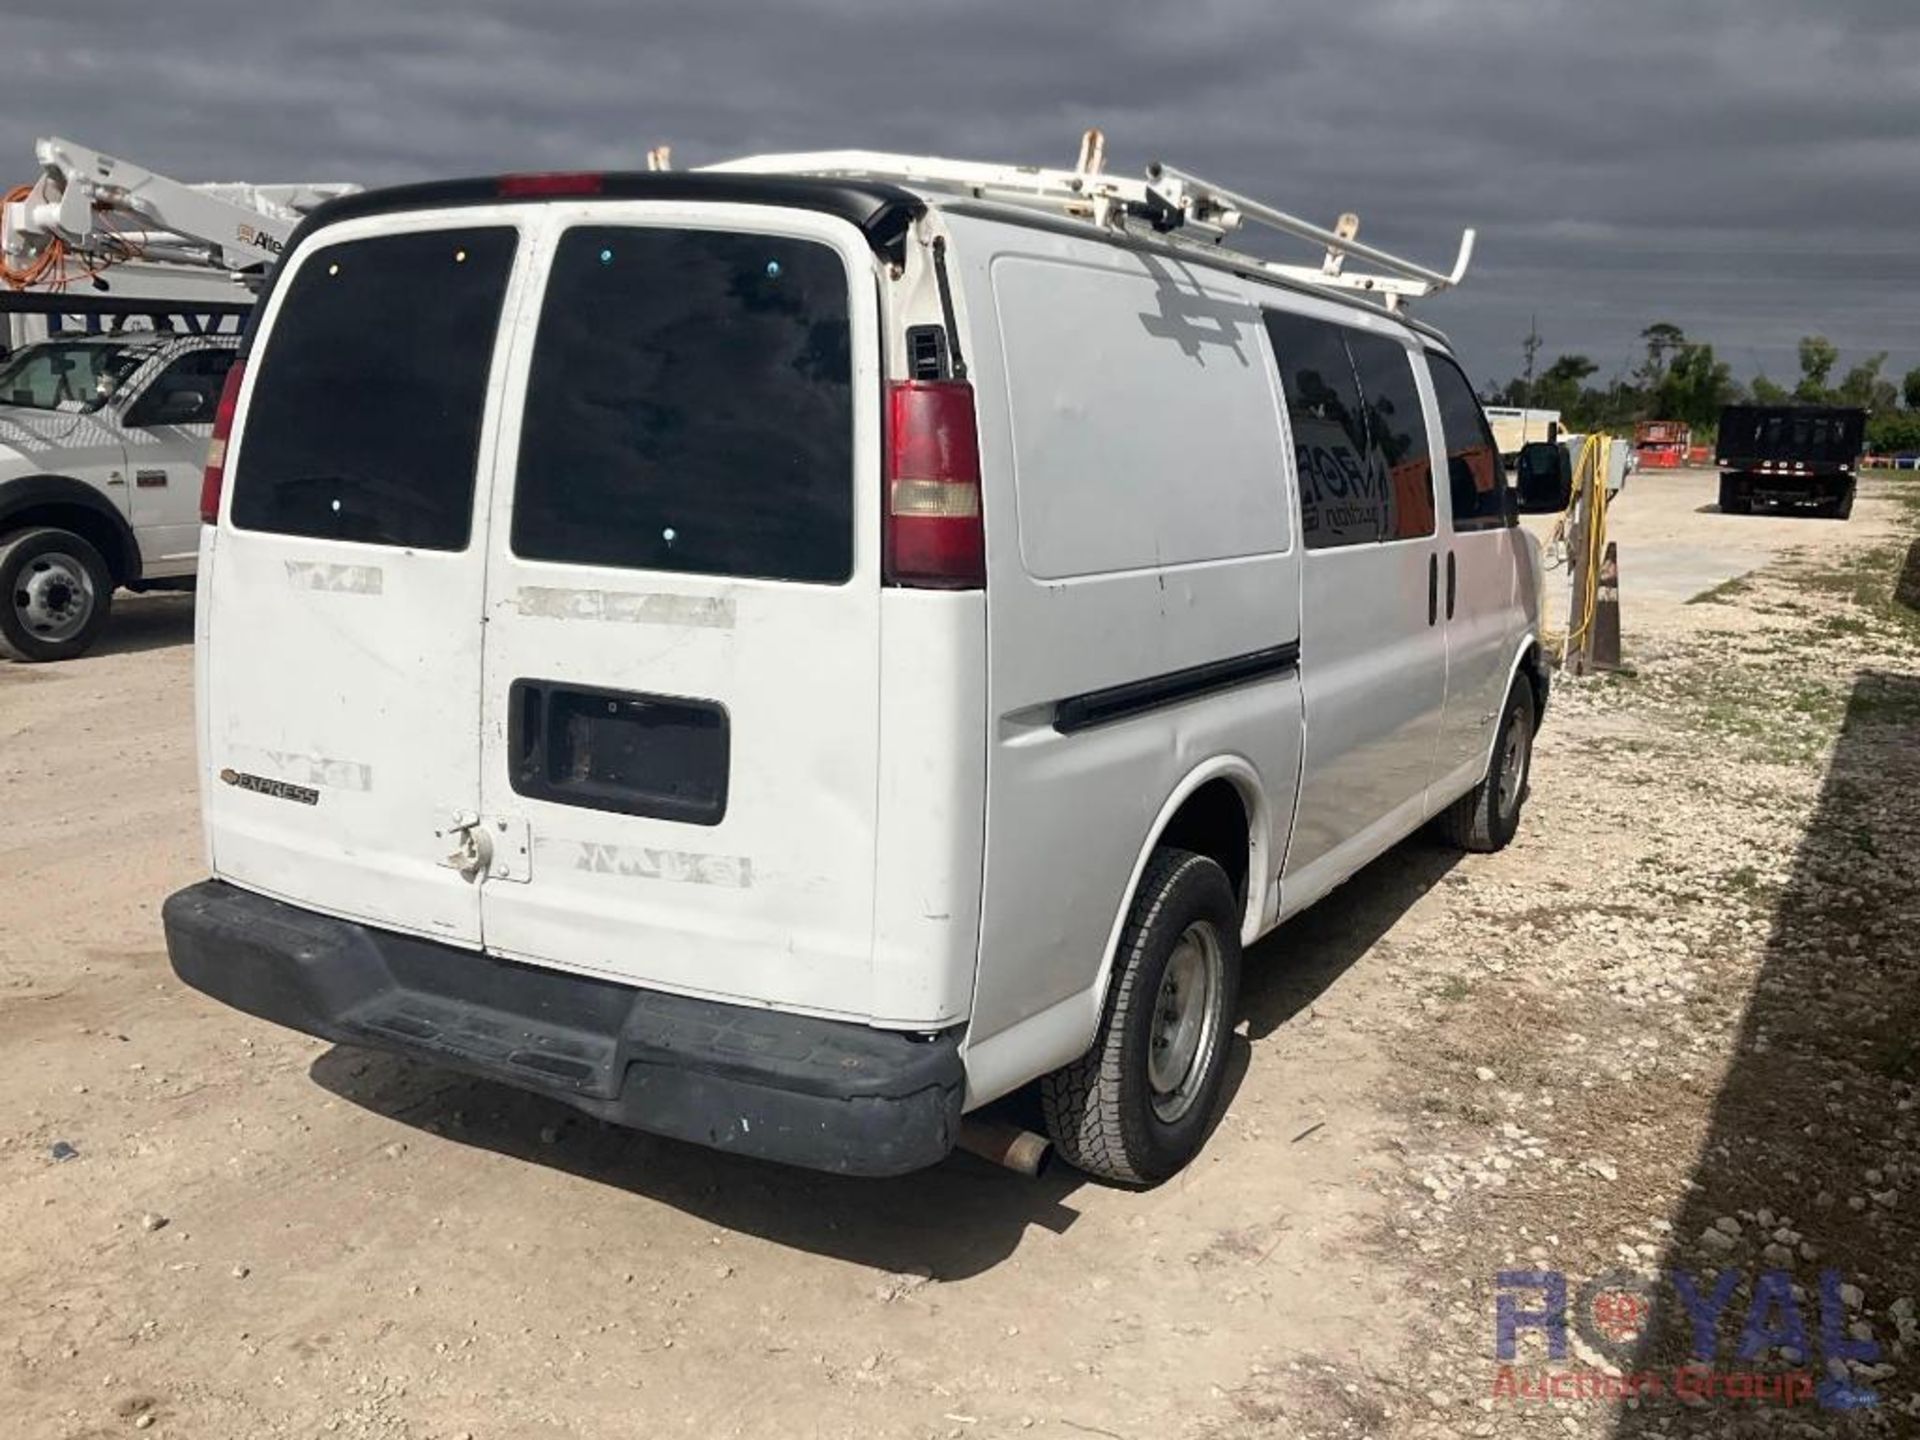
x=782 y=660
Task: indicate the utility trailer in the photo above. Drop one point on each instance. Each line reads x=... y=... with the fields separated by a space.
x=1798 y=455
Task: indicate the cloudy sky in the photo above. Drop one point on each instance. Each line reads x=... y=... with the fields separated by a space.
x=1747 y=169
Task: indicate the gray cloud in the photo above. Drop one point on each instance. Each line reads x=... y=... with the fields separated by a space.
x=1745 y=168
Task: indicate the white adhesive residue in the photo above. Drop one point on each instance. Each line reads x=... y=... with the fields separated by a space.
x=335 y=579
x=703 y=612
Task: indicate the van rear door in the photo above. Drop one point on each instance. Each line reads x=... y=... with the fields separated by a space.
x=340 y=686
x=681 y=672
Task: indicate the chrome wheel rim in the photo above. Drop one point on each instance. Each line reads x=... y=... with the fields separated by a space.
x=53 y=596
x=1515 y=753
x=1186 y=1022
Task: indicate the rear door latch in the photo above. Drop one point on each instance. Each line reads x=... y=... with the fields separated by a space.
x=487 y=847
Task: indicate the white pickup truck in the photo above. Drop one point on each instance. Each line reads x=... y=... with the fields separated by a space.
x=102 y=443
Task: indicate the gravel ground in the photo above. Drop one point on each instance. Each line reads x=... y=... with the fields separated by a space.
x=1672 y=1028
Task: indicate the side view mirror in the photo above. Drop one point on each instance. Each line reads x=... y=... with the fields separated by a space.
x=1544 y=478
x=179 y=407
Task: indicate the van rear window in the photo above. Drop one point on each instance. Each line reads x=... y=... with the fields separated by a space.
x=365 y=420
x=690 y=407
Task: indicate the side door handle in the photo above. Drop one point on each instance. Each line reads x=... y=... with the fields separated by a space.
x=1451 y=578
x=1433 y=589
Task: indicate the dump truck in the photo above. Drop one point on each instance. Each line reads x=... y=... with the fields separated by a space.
x=1790 y=455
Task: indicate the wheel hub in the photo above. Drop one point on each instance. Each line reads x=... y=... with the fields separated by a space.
x=1186 y=1022
x=53 y=596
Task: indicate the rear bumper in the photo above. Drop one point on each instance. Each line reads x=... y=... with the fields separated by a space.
x=1807 y=487
x=828 y=1095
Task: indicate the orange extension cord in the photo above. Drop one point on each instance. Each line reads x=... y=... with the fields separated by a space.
x=52 y=268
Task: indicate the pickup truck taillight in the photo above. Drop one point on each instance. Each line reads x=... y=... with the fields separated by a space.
x=934 y=536
x=216 y=471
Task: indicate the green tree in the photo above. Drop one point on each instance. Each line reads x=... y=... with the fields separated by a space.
x=1697 y=386
x=1558 y=387
x=1894 y=432
x=1910 y=389
x=1768 y=392
x=1864 y=386
x=1818 y=356
x=1665 y=341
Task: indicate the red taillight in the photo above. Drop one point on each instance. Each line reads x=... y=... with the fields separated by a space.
x=934 y=537
x=527 y=187
x=216 y=471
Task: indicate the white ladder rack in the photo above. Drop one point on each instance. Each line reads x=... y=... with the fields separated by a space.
x=1181 y=208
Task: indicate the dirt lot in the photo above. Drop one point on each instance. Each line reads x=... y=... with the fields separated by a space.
x=1675 y=1026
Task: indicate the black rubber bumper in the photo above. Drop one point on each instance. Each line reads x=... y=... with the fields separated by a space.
x=825 y=1094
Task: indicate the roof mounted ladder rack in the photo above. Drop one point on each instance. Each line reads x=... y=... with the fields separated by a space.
x=1184 y=210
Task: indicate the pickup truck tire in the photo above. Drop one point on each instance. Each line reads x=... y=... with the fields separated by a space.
x=1486 y=817
x=1139 y=1104
x=55 y=591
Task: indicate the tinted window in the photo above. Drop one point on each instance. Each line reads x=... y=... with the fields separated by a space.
x=187 y=392
x=365 y=421
x=1396 y=434
x=1359 y=434
x=1337 y=505
x=690 y=407
x=1475 y=479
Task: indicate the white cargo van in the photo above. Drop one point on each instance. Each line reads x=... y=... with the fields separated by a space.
x=782 y=660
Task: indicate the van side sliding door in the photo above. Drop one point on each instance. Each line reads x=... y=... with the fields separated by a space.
x=1372 y=651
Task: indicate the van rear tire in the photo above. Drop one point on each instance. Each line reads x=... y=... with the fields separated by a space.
x=55 y=591
x=1139 y=1104
x=1487 y=816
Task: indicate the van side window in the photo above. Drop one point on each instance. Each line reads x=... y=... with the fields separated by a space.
x=1329 y=432
x=1359 y=434
x=1475 y=478
x=1396 y=433
x=365 y=421
x=690 y=407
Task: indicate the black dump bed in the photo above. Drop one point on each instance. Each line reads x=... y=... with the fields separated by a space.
x=1822 y=437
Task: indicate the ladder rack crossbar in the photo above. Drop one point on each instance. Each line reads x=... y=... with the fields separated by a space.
x=1336 y=244
x=1184 y=210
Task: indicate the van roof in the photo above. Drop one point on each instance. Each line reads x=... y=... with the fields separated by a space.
x=880 y=209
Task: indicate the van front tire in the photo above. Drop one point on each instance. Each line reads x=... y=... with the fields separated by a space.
x=55 y=590
x=1486 y=817
x=1138 y=1105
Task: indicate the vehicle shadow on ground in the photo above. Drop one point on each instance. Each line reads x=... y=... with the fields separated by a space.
x=953 y=1221
x=146 y=622
x=1298 y=963
x=1807 y=1123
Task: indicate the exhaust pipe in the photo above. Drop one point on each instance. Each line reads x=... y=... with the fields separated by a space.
x=1009 y=1145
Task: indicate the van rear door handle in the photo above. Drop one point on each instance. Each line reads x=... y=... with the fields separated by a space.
x=1450 y=584
x=1433 y=589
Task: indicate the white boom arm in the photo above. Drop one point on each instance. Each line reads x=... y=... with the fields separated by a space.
x=101 y=209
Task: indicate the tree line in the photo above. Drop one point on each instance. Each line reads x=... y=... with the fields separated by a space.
x=1682 y=379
